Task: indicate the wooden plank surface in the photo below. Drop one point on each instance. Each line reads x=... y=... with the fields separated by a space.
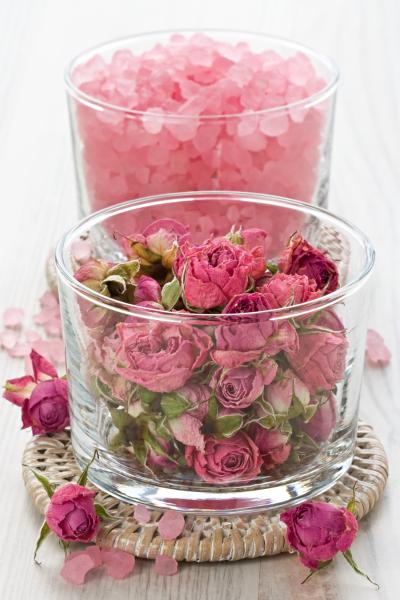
x=38 y=202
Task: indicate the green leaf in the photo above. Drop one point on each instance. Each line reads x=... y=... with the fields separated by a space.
x=44 y=532
x=268 y=422
x=228 y=425
x=116 y=441
x=296 y=408
x=173 y=405
x=272 y=268
x=120 y=418
x=140 y=451
x=349 y=557
x=43 y=480
x=104 y=391
x=126 y=271
x=212 y=408
x=101 y=512
x=170 y=294
x=146 y=397
x=309 y=412
x=64 y=545
x=84 y=475
x=116 y=284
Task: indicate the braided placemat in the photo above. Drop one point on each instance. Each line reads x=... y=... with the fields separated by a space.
x=204 y=538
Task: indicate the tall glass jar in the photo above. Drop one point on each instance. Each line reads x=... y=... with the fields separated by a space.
x=172 y=112
x=149 y=387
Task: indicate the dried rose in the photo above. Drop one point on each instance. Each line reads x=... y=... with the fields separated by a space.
x=71 y=513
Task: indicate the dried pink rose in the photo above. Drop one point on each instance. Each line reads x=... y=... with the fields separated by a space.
x=280 y=394
x=212 y=273
x=320 y=426
x=273 y=445
x=227 y=459
x=318 y=531
x=71 y=513
x=301 y=258
x=160 y=235
x=147 y=290
x=159 y=356
x=237 y=388
x=285 y=290
x=246 y=303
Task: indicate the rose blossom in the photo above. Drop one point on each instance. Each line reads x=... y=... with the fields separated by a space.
x=161 y=234
x=280 y=394
x=272 y=444
x=213 y=272
x=158 y=356
x=197 y=395
x=237 y=388
x=318 y=531
x=227 y=459
x=71 y=513
x=302 y=258
x=321 y=357
x=246 y=303
x=285 y=290
x=147 y=290
x=42 y=397
x=320 y=426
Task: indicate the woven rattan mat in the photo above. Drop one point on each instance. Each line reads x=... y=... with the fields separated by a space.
x=204 y=538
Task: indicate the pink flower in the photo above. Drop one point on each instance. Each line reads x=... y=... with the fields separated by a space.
x=238 y=387
x=42 y=397
x=244 y=342
x=253 y=238
x=71 y=513
x=224 y=460
x=302 y=258
x=285 y=290
x=161 y=234
x=318 y=531
x=159 y=356
x=46 y=411
x=280 y=394
x=197 y=395
x=321 y=357
x=320 y=426
x=213 y=273
x=91 y=275
x=246 y=303
x=147 y=290
x=272 y=444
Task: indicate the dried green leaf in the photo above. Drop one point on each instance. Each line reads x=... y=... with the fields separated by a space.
x=173 y=405
x=170 y=294
x=44 y=532
x=84 y=475
x=43 y=480
x=228 y=425
x=101 y=512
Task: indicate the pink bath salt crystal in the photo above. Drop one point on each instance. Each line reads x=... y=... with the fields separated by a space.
x=142 y=514
x=247 y=126
x=76 y=566
x=183 y=129
x=377 y=353
x=152 y=120
x=274 y=125
x=118 y=564
x=13 y=317
x=20 y=349
x=206 y=137
x=81 y=250
x=8 y=339
x=240 y=74
x=165 y=565
x=300 y=69
x=255 y=142
x=171 y=525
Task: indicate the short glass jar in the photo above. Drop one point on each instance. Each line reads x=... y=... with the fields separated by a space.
x=144 y=382
x=179 y=111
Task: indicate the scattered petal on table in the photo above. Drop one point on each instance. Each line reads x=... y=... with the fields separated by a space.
x=53 y=326
x=32 y=336
x=48 y=300
x=171 y=525
x=377 y=352
x=13 y=317
x=118 y=564
x=165 y=565
x=142 y=514
x=8 y=339
x=76 y=566
x=20 y=349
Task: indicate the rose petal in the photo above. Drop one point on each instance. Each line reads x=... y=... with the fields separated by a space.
x=53 y=326
x=376 y=351
x=43 y=316
x=118 y=564
x=81 y=250
x=13 y=317
x=57 y=350
x=186 y=429
x=142 y=514
x=94 y=552
x=77 y=566
x=8 y=339
x=171 y=525
x=32 y=336
x=20 y=349
x=48 y=300
x=165 y=565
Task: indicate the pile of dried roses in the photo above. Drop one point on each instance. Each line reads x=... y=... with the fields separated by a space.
x=226 y=398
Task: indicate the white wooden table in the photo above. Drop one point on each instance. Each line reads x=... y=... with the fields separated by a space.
x=38 y=202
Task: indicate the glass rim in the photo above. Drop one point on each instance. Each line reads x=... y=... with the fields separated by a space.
x=84 y=225
x=305 y=103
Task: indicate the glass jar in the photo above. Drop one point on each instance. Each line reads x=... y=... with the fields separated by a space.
x=149 y=388
x=172 y=112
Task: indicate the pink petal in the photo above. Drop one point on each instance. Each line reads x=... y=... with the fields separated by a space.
x=42 y=368
x=8 y=339
x=48 y=300
x=13 y=317
x=76 y=566
x=376 y=351
x=186 y=429
x=118 y=564
x=165 y=565
x=57 y=350
x=81 y=250
x=142 y=514
x=43 y=316
x=31 y=335
x=171 y=525
x=94 y=552
x=20 y=349
x=53 y=326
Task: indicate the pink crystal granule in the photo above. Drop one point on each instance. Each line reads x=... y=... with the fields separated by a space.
x=197 y=113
